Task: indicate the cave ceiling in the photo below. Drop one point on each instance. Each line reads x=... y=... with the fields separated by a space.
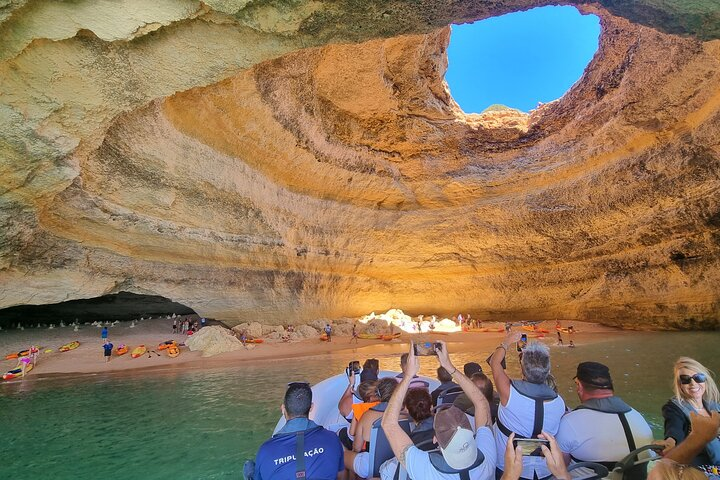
x=291 y=160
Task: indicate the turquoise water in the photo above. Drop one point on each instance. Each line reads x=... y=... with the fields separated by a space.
x=205 y=423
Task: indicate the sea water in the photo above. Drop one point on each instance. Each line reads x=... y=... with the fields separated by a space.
x=203 y=423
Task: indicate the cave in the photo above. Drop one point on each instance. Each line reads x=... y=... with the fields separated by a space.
x=122 y=306
x=304 y=160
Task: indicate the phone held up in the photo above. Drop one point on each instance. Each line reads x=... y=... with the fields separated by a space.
x=530 y=446
x=423 y=349
x=353 y=367
x=522 y=343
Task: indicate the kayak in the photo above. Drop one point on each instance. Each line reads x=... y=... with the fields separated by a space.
x=369 y=336
x=173 y=351
x=324 y=337
x=121 y=350
x=387 y=338
x=535 y=330
x=167 y=344
x=12 y=356
x=17 y=372
x=486 y=329
x=138 y=351
x=69 y=346
x=254 y=340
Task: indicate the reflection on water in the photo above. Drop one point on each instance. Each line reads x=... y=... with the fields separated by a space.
x=204 y=423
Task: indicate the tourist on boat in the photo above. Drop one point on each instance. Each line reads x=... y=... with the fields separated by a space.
x=301 y=449
x=358 y=459
x=418 y=404
x=446 y=382
x=703 y=430
x=470 y=368
x=521 y=399
x=603 y=428
x=485 y=385
x=370 y=370
x=414 y=383
x=455 y=436
x=368 y=393
x=695 y=393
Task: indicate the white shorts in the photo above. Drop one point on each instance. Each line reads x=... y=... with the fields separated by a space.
x=361 y=464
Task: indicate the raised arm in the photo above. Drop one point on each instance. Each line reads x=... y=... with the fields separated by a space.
x=398 y=439
x=502 y=381
x=346 y=401
x=703 y=430
x=482 y=408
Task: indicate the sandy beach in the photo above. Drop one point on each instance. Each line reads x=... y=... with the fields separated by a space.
x=88 y=357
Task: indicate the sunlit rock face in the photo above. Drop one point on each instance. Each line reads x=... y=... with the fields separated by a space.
x=284 y=165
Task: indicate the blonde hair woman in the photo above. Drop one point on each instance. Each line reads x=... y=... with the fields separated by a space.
x=695 y=391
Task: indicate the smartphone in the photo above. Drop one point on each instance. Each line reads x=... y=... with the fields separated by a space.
x=502 y=362
x=530 y=446
x=423 y=349
x=522 y=343
x=353 y=367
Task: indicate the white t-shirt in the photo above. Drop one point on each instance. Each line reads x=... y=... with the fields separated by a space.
x=420 y=468
x=593 y=436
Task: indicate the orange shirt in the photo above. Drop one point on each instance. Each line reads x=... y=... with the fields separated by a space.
x=359 y=409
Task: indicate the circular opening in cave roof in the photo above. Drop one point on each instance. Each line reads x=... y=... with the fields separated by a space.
x=520 y=59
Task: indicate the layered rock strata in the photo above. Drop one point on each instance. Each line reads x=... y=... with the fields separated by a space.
x=217 y=154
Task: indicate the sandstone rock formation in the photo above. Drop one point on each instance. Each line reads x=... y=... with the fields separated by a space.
x=284 y=163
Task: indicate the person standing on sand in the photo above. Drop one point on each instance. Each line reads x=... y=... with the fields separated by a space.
x=174 y=326
x=107 y=350
x=104 y=333
x=354 y=334
x=328 y=332
x=560 y=340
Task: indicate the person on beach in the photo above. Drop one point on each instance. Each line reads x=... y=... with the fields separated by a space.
x=321 y=454
x=243 y=338
x=603 y=428
x=560 y=340
x=103 y=333
x=107 y=350
x=174 y=326
x=328 y=332
x=354 y=334
x=34 y=352
x=202 y=322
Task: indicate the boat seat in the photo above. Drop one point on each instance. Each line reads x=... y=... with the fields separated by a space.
x=449 y=395
x=380 y=450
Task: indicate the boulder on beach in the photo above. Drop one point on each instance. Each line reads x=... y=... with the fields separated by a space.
x=253 y=329
x=213 y=340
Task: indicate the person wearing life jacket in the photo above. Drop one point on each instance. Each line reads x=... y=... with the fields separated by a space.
x=528 y=406
x=463 y=453
x=603 y=428
x=368 y=393
x=301 y=449
x=358 y=459
x=695 y=392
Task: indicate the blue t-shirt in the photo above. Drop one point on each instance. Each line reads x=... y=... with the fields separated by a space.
x=108 y=347
x=323 y=454
x=103 y=333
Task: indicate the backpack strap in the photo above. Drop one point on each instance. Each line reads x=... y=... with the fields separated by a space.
x=628 y=432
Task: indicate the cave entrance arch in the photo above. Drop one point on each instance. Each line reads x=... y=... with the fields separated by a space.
x=123 y=306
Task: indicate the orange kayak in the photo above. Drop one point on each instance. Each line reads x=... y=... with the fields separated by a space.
x=254 y=340
x=167 y=344
x=173 y=351
x=121 y=350
x=387 y=338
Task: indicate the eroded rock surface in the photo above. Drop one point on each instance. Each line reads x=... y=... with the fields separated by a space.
x=281 y=164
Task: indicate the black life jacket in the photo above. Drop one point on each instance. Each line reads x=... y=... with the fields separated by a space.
x=438 y=462
x=539 y=393
x=422 y=435
x=610 y=405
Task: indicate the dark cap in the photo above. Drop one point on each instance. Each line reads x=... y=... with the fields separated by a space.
x=368 y=375
x=594 y=374
x=470 y=368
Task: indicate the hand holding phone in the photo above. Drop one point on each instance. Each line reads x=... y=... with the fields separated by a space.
x=424 y=349
x=522 y=343
x=530 y=446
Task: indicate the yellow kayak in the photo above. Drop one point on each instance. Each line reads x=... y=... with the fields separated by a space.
x=173 y=351
x=138 y=351
x=69 y=346
x=17 y=372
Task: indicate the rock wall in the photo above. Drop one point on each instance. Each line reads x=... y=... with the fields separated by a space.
x=253 y=161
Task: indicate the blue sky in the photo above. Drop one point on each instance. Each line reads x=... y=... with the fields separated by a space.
x=521 y=58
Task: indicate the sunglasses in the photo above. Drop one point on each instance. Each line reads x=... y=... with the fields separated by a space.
x=698 y=378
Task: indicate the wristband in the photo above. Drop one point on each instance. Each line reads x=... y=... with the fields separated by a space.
x=453 y=372
x=503 y=346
